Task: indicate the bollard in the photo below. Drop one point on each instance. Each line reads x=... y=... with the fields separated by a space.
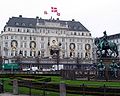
x=62 y=89
x=15 y=87
x=2 y=86
x=104 y=89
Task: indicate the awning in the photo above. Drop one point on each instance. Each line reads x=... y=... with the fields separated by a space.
x=10 y=66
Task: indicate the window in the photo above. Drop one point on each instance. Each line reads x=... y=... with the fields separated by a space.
x=73 y=40
x=63 y=46
x=42 y=38
x=42 y=53
x=28 y=30
x=90 y=34
x=16 y=23
x=43 y=30
x=30 y=38
x=34 y=38
x=82 y=34
x=25 y=53
x=30 y=53
x=24 y=30
x=21 y=38
x=42 y=45
x=74 y=33
x=48 y=31
x=30 y=25
x=40 y=30
x=6 y=44
x=15 y=53
x=25 y=44
x=11 y=53
x=8 y=29
x=78 y=47
x=11 y=37
x=15 y=37
x=23 y=24
x=21 y=45
x=18 y=30
x=6 y=53
x=63 y=39
x=25 y=38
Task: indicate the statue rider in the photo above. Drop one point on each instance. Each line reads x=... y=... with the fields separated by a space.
x=101 y=68
x=105 y=43
x=114 y=68
x=104 y=39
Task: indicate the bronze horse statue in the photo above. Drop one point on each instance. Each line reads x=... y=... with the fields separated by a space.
x=105 y=48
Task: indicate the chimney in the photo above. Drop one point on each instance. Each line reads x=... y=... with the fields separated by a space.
x=37 y=17
x=57 y=18
x=20 y=16
x=73 y=19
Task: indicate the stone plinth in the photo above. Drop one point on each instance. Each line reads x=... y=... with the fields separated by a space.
x=15 y=87
x=62 y=89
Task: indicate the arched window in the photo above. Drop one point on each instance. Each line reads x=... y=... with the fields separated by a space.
x=82 y=34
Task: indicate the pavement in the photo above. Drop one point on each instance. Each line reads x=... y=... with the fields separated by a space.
x=10 y=94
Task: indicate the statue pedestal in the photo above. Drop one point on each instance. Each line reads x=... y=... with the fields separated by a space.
x=107 y=61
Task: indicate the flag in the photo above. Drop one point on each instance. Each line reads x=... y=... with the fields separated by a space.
x=53 y=9
x=45 y=12
x=58 y=14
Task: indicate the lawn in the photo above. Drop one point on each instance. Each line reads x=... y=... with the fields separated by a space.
x=57 y=79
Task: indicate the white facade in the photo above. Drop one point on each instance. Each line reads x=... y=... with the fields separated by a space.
x=40 y=38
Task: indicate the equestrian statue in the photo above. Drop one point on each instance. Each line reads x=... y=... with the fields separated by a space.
x=106 y=48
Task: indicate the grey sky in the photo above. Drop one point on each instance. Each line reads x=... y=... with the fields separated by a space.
x=95 y=15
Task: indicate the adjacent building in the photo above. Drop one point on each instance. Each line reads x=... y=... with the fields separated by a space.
x=116 y=39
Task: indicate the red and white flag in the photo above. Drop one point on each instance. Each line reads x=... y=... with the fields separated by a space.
x=53 y=9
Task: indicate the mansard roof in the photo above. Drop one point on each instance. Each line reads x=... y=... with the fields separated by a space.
x=31 y=23
x=114 y=36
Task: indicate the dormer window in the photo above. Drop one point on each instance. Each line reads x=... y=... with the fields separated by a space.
x=30 y=25
x=23 y=24
x=75 y=27
x=16 y=23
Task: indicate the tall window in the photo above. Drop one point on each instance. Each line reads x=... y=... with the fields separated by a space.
x=25 y=44
x=78 y=47
x=42 y=45
x=6 y=53
x=11 y=37
x=11 y=53
x=42 y=53
x=30 y=53
x=42 y=38
x=6 y=44
x=25 y=53
x=25 y=38
x=21 y=38
x=21 y=44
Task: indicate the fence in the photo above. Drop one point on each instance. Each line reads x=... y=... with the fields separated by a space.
x=54 y=89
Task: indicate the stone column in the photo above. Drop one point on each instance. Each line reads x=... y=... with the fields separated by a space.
x=62 y=89
x=15 y=86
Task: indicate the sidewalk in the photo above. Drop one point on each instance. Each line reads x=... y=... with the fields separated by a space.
x=10 y=94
